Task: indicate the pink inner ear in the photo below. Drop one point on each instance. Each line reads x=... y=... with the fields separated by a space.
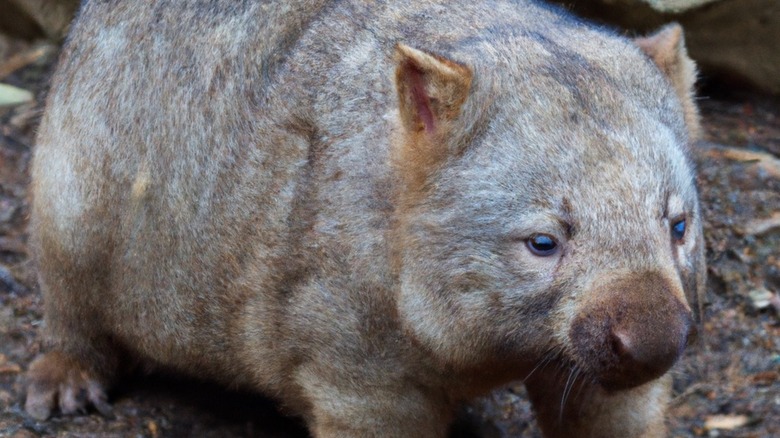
x=422 y=102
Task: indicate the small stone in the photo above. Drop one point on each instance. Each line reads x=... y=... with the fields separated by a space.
x=5 y=398
x=761 y=298
x=24 y=433
x=8 y=207
x=7 y=281
x=153 y=429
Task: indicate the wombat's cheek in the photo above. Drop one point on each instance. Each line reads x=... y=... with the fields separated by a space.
x=630 y=330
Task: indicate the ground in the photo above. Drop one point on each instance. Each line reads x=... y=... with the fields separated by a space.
x=728 y=383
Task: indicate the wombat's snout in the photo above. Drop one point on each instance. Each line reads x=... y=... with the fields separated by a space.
x=632 y=332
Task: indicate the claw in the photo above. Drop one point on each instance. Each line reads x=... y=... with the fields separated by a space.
x=57 y=381
x=69 y=403
x=98 y=398
x=39 y=403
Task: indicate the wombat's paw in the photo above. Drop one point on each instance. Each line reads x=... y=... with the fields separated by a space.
x=57 y=381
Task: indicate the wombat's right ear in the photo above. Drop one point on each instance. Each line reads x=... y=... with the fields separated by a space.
x=431 y=91
x=666 y=48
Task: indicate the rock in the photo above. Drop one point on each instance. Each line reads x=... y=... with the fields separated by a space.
x=6 y=398
x=23 y=433
x=8 y=283
x=37 y=18
x=675 y=5
x=736 y=39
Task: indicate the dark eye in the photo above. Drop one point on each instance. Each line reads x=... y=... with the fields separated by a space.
x=678 y=230
x=542 y=245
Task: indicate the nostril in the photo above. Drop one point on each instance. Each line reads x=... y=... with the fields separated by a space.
x=621 y=343
x=647 y=348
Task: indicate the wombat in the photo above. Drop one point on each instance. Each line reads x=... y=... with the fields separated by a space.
x=369 y=211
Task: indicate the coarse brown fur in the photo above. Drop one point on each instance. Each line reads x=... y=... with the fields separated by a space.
x=334 y=203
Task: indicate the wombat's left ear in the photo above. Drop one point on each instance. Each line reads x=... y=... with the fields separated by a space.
x=666 y=48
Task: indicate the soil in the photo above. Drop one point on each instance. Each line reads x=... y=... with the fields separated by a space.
x=728 y=383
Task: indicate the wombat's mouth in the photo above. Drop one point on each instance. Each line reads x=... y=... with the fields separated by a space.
x=609 y=379
x=622 y=382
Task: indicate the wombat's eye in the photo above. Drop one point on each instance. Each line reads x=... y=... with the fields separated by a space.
x=542 y=245
x=678 y=230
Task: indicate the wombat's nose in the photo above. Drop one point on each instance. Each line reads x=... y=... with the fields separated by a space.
x=633 y=332
x=642 y=355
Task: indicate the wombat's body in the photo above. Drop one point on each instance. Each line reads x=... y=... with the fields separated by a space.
x=299 y=198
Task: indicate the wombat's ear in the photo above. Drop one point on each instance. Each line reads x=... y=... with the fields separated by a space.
x=666 y=48
x=431 y=92
x=431 y=89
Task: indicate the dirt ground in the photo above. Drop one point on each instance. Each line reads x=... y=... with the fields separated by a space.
x=727 y=385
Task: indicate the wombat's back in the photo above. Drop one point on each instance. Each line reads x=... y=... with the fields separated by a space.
x=189 y=148
x=162 y=169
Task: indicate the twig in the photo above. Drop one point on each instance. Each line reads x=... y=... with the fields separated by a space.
x=23 y=59
x=696 y=387
x=757 y=227
x=767 y=162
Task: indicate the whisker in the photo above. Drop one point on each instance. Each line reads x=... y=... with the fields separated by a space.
x=543 y=362
x=581 y=386
x=567 y=389
x=584 y=392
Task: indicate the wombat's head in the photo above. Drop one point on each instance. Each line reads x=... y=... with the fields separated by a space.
x=547 y=207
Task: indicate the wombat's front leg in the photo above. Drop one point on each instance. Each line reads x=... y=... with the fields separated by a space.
x=80 y=361
x=567 y=408
x=341 y=408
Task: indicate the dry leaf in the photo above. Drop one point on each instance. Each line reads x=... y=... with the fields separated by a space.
x=10 y=368
x=153 y=429
x=726 y=422
x=765 y=377
x=10 y=95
